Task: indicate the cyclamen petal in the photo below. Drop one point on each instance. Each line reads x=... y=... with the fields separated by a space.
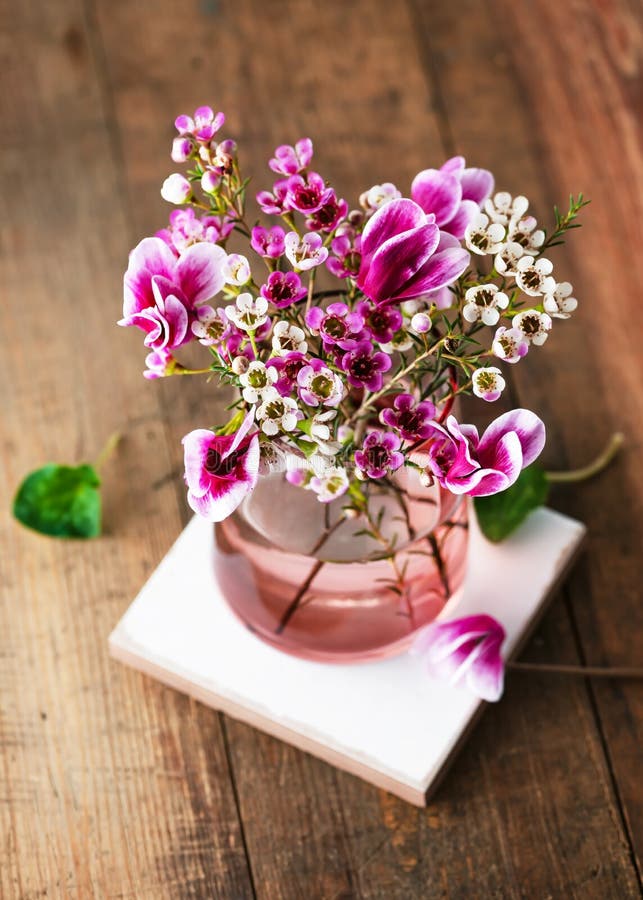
x=437 y=192
x=465 y=651
x=526 y=425
x=200 y=270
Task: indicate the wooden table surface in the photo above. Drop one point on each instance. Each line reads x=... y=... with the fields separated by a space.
x=113 y=786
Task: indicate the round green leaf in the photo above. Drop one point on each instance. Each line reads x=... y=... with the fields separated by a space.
x=62 y=501
x=502 y=513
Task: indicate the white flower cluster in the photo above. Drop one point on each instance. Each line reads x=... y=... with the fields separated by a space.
x=506 y=232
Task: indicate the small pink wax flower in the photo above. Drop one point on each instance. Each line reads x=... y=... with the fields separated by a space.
x=307 y=195
x=282 y=289
x=220 y=470
x=268 y=242
x=412 y=420
x=328 y=215
x=379 y=455
x=318 y=384
x=186 y=229
x=274 y=203
x=337 y=325
x=381 y=321
x=464 y=463
x=465 y=651
x=203 y=126
x=364 y=366
x=292 y=160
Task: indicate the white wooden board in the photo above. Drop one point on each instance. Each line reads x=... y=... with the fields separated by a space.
x=384 y=721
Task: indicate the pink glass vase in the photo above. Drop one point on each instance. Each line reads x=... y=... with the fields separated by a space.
x=318 y=585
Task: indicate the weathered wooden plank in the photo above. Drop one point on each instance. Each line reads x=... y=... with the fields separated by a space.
x=557 y=109
x=518 y=816
x=111 y=787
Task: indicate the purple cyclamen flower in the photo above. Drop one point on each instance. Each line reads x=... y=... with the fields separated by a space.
x=381 y=321
x=337 y=325
x=379 y=455
x=412 y=420
x=288 y=368
x=161 y=292
x=328 y=215
x=274 y=203
x=401 y=256
x=268 y=242
x=203 y=126
x=307 y=194
x=346 y=258
x=464 y=463
x=220 y=470
x=291 y=160
x=282 y=289
x=465 y=651
x=319 y=384
x=364 y=366
x=452 y=193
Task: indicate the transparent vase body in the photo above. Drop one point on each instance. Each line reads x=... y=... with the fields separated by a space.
x=343 y=592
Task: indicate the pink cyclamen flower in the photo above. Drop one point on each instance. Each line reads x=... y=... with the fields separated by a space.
x=203 y=126
x=464 y=463
x=282 y=289
x=337 y=325
x=161 y=292
x=307 y=194
x=465 y=651
x=404 y=254
x=412 y=420
x=364 y=366
x=379 y=455
x=220 y=470
x=292 y=160
x=453 y=193
x=268 y=242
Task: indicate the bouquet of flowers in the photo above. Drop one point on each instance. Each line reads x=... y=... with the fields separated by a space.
x=428 y=294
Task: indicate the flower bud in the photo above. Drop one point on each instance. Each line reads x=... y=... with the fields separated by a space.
x=210 y=181
x=240 y=365
x=176 y=189
x=421 y=323
x=182 y=148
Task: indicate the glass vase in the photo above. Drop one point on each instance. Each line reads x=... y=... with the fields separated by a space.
x=324 y=586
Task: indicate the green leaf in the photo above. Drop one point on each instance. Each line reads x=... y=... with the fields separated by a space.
x=62 y=501
x=502 y=513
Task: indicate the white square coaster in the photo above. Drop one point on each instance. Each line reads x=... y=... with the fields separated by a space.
x=384 y=721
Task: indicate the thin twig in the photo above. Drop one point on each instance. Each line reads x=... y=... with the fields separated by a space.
x=587 y=671
x=595 y=467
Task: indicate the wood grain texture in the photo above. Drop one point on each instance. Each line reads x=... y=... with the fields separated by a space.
x=115 y=787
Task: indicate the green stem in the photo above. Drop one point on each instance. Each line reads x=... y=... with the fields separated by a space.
x=587 y=671
x=110 y=445
x=601 y=462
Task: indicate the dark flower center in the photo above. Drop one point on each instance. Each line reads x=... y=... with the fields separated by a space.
x=378 y=457
x=334 y=327
x=215 y=464
x=362 y=367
